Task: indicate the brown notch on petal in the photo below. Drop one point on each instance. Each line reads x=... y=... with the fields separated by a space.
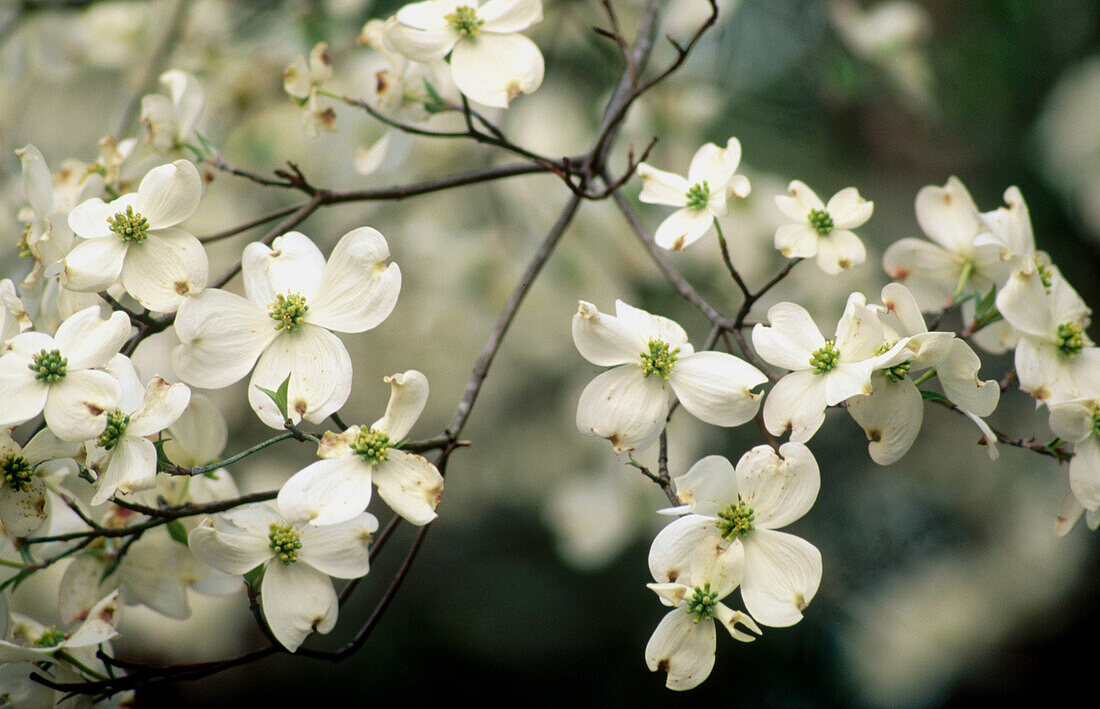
x=874 y=435
x=301 y=406
x=182 y=287
x=93 y=409
x=663 y=665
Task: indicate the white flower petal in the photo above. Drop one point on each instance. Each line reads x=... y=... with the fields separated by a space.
x=623 y=407
x=495 y=69
x=715 y=166
x=958 y=374
x=234 y=551
x=507 y=16
x=839 y=251
x=199 y=435
x=848 y=210
x=410 y=485
x=99 y=626
x=357 y=290
x=24 y=511
x=81 y=588
x=328 y=491
x=1072 y=421
x=169 y=266
x=1023 y=303
x=948 y=216
x=796 y=402
x=169 y=194
x=797 y=240
x=660 y=187
x=682 y=648
x=162 y=405
x=297 y=600
x=791 y=338
x=717 y=387
x=682 y=228
x=89 y=218
x=408 y=395
x=222 y=336
x=77 y=406
x=132 y=467
x=674 y=547
x=419 y=45
x=94 y=265
x=1084 y=472
x=779 y=488
x=604 y=339
x=37 y=181
x=801 y=201
x=429 y=15
x=320 y=376
x=22 y=394
x=929 y=271
x=653 y=327
x=707 y=486
x=782 y=573
x=88 y=341
x=292 y=264
x=340 y=550
x=1069 y=511
x=891 y=417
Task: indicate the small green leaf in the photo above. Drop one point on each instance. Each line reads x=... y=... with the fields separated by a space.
x=435 y=102
x=177 y=531
x=280 y=396
x=163 y=463
x=253 y=577
x=933 y=396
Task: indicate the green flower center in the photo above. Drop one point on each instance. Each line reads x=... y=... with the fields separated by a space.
x=898 y=371
x=16 y=472
x=50 y=637
x=1071 y=339
x=130 y=226
x=1046 y=276
x=48 y=367
x=1096 y=420
x=465 y=21
x=373 y=445
x=659 y=359
x=820 y=221
x=288 y=311
x=698 y=196
x=117 y=422
x=736 y=520
x=702 y=603
x=825 y=358
x=286 y=540
x=24 y=244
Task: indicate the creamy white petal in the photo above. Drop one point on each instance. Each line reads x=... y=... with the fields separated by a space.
x=891 y=417
x=328 y=491
x=1072 y=421
x=674 y=546
x=199 y=435
x=660 y=187
x=899 y=301
x=77 y=406
x=779 y=488
x=682 y=648
x=89 y=218
x=604 y=339
x=682 y=228
x=714 y=166
x=507 y=16
x=132 y=467
x=320 y=375
x=791 y=338
x=419 y=45
x=162 y=405
x=37 y=181
x=796 y=402
x=81 y=589
x=717 y=387
x=222 y=336
x=169 y=266
x=99 y=626
x=958 y=374
x=1024 y=304
x=801 y=200
x=297 y=600
x=22 y=394
x=718 y=564
x=431 y=14
x=730 y=619
x=1069 y=511
x=169 y=194
x=650 y=326
x=24 y=511
x=187 y=96
x=357 y=290
x=927 y=269
x=94 y=265
x=292 y=264
x=848 y=210
x=410 y=485
x=45 y=446
x=86 y=340
x=948 y=216
x=340 y=550
x=848 y=380
x=234 y=552
x=839 y=251
x=1084 y=472
x=623 y=407
x=707 y=486
x=797 y=240
x=782 y=573
x=859 y=333
x=494 y=69
x=408 y=395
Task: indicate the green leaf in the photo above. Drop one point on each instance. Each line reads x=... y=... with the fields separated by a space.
x=280 y=396
x=933 y=396
x=163 y=463
x=435 y=102
x=177 y=531
x=253 y=577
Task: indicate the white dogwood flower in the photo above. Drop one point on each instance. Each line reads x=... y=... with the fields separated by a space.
x=823 y=372
x=651 y=360
x=296 y=593
x=684 y=642
x=1079 y=422
x=338 y=487
x=294 y=299
x=701 y=197
x=823 y=230
x=169 y=121
x=134 y=240
x=62 y=377
x=491 y=62
x=744 y=507
x=24 y=503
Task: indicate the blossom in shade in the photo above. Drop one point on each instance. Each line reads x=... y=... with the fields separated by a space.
x=651 y=360
x=24 y=503
x=701 y=197
x=293 y=300
x=823 y=230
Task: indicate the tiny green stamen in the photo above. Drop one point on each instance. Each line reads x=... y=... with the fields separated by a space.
x=130 y=226
x=659 y=359
x=898 y=371
x=373 y=445
x=288 y=311
x=1071 y=339
x=285 y=540
x=1046 y=275
x=48 y=367
x=698 y=196
x=16 y=472
x=465 y=21
x=821 y=221
x=117 y=421
x=736 y=520
x=826 y=358
x=702 y=603
x=25 y=244
x=50 y=637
